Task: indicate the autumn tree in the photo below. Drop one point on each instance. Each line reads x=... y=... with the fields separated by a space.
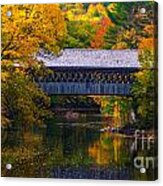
x=102 y=26
x=145 y=86
x=29 y=28
x=96 y=11
x=129 y=23
x=136 y=30
x=86 y=24
x=144 y=90
x=80 y=34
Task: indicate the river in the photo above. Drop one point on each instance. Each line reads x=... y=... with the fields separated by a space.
x=67 y=148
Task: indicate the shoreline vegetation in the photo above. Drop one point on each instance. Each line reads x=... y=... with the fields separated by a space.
x=96 y=26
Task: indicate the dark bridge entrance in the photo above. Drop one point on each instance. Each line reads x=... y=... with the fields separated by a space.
x=104 y=72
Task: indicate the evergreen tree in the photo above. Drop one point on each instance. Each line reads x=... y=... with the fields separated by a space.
x=126 y=17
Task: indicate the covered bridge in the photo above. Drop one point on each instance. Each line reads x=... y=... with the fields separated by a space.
x=89 y=71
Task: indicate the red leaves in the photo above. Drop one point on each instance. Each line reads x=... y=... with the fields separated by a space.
x=102 y=26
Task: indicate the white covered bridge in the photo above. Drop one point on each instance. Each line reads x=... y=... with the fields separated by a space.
x=87 y=71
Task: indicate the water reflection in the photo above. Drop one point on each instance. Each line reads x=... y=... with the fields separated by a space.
x=109 y=149
x=67 y=149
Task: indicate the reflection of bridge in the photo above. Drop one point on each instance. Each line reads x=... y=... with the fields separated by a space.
x=85 y=71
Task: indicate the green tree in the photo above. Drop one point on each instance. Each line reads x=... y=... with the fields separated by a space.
x=129 y=23
x=23 y=103
x=80 y=34
x=144 y=90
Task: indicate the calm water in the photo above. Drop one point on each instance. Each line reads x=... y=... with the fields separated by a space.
x=66 y=148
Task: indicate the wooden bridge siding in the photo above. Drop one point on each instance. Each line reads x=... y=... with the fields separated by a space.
x=86 y=88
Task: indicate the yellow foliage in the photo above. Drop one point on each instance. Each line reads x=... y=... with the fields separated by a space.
x=119 y=46
x=29 y=27
x=4 y=75
x=129 y=34
x=111 y=7
x=76 y=12
x=149 y=29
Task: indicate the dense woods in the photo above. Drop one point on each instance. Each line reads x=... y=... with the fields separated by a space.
x=55 y=27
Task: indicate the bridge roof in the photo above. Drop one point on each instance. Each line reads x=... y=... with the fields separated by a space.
x=92 y=58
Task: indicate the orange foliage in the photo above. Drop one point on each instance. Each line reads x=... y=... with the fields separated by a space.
x=147 y=43
x=98 y=40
